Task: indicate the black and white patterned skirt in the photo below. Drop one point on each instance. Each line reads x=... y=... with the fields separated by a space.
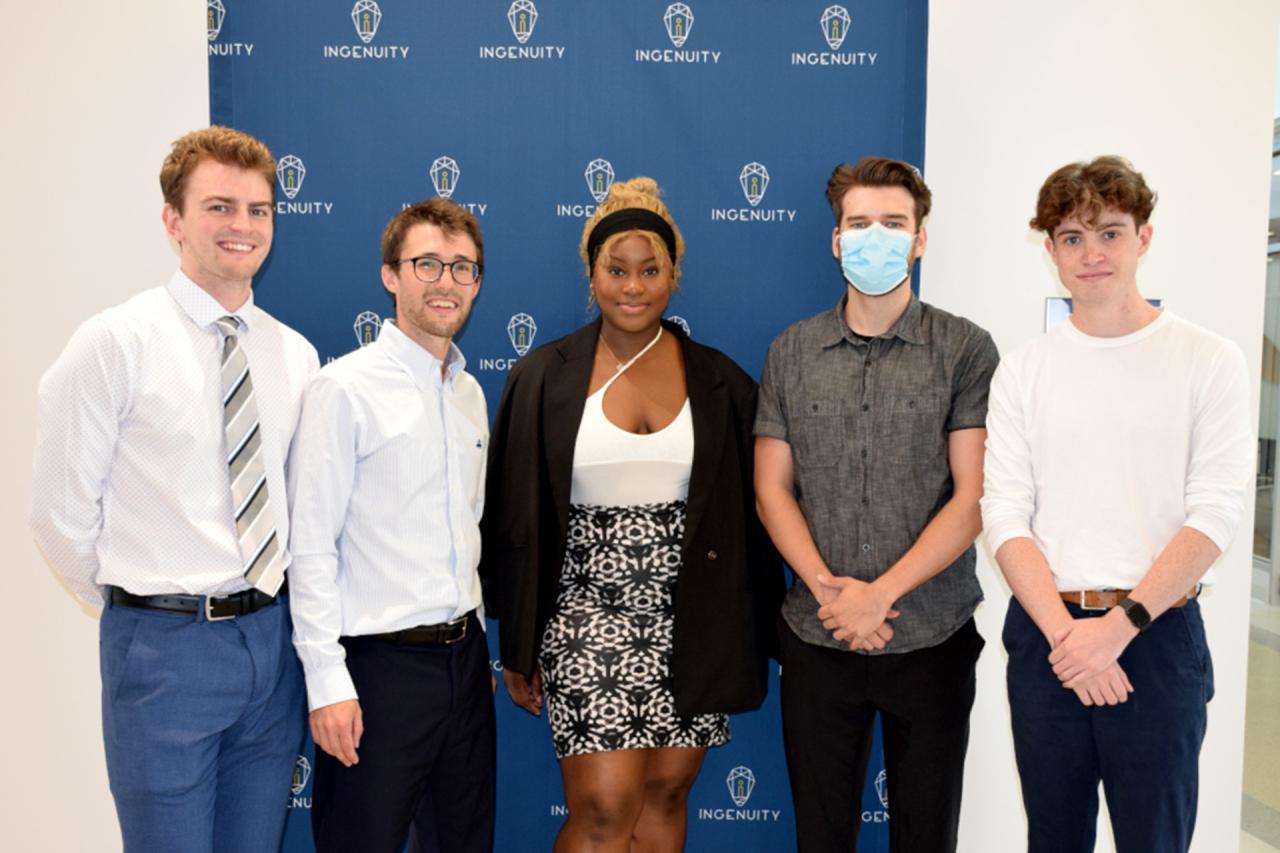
x=606 y=652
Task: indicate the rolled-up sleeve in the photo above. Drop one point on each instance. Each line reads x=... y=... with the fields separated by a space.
x=1008 y=499
x=1222 y=448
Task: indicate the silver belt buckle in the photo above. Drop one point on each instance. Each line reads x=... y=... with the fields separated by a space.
x=460 y=620
x=208 y=611
x=1084 y=593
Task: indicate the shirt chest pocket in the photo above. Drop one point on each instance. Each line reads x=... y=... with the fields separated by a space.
x=818 y=439
x=913 y=417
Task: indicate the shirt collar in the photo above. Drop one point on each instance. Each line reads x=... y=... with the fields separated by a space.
x=422 y=366
x=908 y=326
x=202 y=308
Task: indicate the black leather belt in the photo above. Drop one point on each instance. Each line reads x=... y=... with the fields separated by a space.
x=443 y=634
x=215 y=608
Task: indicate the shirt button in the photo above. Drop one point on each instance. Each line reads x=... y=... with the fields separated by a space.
x=864 y=453
x=711 y=555
x=866 y=407
x=865 y=548
x=864 y=501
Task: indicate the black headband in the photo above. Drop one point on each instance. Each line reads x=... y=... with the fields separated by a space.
x=630 y=219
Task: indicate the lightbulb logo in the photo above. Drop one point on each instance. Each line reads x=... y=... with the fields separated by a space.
x=215 y=15
x=444 y=176
x=678 y=20
x=367 y=327
x=521 y=330
x=290 y=172
x=599 y=177
x=366 y=16
x=754 y=179
x=835 y=25
x=740 y=782
x=523 y=17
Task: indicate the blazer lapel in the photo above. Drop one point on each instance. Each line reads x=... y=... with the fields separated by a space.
x=566 y=397
x=709 y=401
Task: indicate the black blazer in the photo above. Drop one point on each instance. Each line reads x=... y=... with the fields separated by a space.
x=730 y=584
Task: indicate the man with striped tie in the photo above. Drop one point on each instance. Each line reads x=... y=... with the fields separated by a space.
x=159 y=494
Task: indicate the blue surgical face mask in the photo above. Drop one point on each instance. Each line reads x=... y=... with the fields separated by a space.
x=875 y=259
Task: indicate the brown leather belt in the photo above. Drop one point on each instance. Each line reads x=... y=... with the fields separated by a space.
x=1105 y=599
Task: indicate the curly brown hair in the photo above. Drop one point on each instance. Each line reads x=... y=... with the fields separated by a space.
x=1085 y=190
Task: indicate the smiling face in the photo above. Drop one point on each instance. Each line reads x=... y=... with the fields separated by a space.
x=224 y=228
x=431 y=313
x=1098 y=263
x=632 y=283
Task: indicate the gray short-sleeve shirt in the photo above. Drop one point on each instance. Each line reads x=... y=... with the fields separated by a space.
x=868 y=422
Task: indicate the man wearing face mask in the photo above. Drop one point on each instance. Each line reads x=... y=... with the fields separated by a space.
x=869 y=447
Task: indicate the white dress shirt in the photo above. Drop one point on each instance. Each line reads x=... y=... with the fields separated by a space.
x=1101 y=449
x=130 y=482
x=386 y=482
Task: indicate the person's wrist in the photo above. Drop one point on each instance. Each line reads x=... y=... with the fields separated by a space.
x=1122 y=626
x=883 y=592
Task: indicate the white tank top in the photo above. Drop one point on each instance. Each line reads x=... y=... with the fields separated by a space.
x=614 y=467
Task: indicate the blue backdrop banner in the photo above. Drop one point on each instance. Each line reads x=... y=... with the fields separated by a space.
x=525 y=112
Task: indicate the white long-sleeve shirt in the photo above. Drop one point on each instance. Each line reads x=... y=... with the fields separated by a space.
x=386 y=481
x=130 y=481
x=1101 y=449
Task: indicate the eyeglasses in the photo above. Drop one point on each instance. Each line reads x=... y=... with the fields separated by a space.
x=429 y=269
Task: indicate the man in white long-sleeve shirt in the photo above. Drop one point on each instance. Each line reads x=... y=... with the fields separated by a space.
x=1118 y=454
x=159 y=494
x=387 y=485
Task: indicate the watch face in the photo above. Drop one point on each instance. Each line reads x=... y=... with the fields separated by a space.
x=1137 y=614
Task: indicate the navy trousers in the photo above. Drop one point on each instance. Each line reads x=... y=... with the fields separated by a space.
x=202 y=722
x=1145 y=752
x=427 y=757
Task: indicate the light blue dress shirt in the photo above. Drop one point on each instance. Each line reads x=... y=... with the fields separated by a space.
x=386 y=484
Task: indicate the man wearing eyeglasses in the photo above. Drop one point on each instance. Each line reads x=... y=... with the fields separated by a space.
x=387 y=483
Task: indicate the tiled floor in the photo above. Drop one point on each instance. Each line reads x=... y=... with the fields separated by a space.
x=1261 y=812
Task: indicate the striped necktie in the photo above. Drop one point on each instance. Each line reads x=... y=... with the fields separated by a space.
x=259 y=546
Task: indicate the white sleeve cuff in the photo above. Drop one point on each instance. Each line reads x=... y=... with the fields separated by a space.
x=328 y=686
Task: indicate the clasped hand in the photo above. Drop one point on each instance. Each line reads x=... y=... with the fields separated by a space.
x=1084 y=657
x=854 y=611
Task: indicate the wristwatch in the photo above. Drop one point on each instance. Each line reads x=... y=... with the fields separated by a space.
x=1137 y=614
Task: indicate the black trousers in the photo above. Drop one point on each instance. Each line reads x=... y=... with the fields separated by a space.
x=427 y=757
x=829 y=702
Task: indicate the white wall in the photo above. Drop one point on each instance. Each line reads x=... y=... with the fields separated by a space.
x=94 y=93
x=1184 y=89
x=1016 y=88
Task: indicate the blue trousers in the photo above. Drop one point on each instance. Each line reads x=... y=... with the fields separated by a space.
x=1145 y=752
x=202 y=722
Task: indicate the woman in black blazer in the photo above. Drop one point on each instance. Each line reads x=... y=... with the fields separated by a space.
x=622 y=554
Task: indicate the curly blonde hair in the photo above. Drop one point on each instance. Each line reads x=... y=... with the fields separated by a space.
x=639 y=192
